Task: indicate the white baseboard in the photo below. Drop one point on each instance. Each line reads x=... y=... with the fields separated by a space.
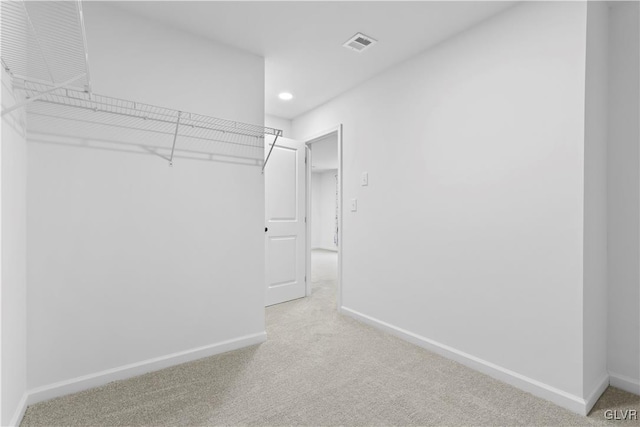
x=85 y=382
x=559 y=397
x=20 y=410
x=624 y=383
x=332 y=249
x=596 y=393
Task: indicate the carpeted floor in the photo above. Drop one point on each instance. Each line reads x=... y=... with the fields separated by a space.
x=317 y=368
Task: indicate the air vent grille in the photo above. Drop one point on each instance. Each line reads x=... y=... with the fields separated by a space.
x=359 y=42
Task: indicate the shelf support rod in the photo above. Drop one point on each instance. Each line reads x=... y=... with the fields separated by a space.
x=175 y=136
x=270 y=150
x=84 y=43
x=41 y=94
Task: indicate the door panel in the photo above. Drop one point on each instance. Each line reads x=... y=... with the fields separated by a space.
x=281 y=182
x=285 y=221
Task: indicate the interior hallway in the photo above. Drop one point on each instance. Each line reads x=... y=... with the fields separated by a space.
x=317 y=368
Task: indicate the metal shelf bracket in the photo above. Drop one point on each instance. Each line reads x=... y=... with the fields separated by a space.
x=175 y=136
x=278 y=133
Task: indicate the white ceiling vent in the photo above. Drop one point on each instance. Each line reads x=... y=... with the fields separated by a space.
x=359 y=42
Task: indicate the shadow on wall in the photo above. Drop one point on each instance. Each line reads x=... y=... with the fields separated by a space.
x=163 y=153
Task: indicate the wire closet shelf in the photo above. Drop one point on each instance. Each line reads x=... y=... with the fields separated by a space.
x=45 y=41
x=88 y=114
x=44 y=50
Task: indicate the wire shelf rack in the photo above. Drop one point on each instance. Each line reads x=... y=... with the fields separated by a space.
x=44 y=49
x=45 y=41
x=70 y=112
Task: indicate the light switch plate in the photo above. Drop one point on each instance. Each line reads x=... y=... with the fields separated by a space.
x=354 y=205
x=365 y=179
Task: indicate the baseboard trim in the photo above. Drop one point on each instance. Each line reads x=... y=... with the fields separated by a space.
x=625 y=383
x=537 y=388
x=20 y=410
x=85 y=382
x=334 y=249
x=593 y=397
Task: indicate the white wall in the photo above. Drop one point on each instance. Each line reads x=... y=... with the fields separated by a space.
x=13 y=289
x=323 y=205
x=324 y=153
x=279 y=123
x=595 y=199
x=129 y=259
x=475 y=153
x=623 y=197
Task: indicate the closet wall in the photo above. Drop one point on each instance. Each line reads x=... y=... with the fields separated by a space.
x=595 y=199
x=13 y=218
x=469 y=238
x=134 y=264
x=623 y=196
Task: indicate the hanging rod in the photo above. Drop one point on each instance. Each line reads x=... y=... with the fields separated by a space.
x=94 y=109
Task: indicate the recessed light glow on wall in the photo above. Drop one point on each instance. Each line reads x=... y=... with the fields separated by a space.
x=285 y=96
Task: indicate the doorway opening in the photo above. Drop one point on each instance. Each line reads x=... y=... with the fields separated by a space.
x=324 y=213
x=290 y=221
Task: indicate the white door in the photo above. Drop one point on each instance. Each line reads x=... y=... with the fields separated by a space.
x=285 y=208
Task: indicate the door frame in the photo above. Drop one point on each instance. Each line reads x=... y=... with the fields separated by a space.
x=308 y=141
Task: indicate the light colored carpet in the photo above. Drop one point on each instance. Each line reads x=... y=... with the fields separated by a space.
x=317 y=368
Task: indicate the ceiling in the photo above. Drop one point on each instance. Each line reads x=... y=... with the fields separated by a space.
x=302 y=40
